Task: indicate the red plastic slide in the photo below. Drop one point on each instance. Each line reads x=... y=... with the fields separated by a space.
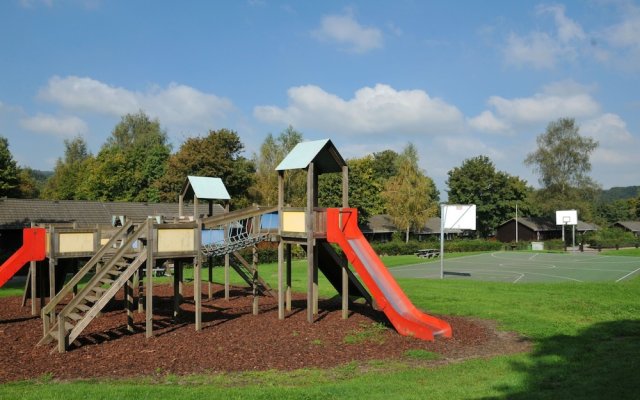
x=342 y=228
x=33 y=249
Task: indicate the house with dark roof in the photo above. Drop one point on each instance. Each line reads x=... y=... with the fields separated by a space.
x=16 y=214
x=631 y=226
x=536 y=229
x=380 y=228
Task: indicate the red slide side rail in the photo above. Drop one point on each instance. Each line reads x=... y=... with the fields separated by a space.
x=33 y=249
x=342 y=228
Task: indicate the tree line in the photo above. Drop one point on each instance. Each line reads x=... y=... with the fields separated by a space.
x=137 y=163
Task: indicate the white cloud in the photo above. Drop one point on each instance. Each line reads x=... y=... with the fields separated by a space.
x=608 y=128
x=538 y=49
x=345 y=30
x=551 y=104
x=568 y=29
x=487 y=122
x=174 y=105
x=64 y=127
x=377 y=110
x=543 y=50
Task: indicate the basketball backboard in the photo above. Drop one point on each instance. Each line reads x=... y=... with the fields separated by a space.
x=459 y=216
x=567 y=217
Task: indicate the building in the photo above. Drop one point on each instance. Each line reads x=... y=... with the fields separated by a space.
x=533 y=229
x=631 y=226
x=16 y=214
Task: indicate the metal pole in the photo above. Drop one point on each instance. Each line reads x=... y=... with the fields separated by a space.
x=442 y=216
x=516 y=222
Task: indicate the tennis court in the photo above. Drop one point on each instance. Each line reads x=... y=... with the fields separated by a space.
x=523 y=267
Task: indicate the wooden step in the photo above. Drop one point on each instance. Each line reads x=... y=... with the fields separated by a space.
x=83 y=307
x=91 y=299
x=75 y=317
x=107 y=281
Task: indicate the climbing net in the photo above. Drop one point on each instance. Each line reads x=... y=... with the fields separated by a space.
x=235 y=235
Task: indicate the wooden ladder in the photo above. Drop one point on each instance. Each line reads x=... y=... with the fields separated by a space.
x=101 y=288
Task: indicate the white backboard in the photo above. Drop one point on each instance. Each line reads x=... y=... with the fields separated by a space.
x=459 y=216
x=567 y=217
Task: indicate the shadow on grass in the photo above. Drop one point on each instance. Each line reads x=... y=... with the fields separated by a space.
x=601 y=362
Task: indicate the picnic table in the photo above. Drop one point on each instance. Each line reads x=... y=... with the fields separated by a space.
x=428 y=253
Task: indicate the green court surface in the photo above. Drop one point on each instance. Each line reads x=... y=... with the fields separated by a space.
x=523 y=267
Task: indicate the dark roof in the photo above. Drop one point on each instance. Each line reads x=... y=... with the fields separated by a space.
x=538 y=224
x=633 y=226
x=18 y=213
x=379 y=224
x=384 y=224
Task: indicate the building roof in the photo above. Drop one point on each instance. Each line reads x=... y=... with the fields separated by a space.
x=19 y=213
x=379 y=224
x=206 y=188
x=322 y=153
x=384 y=224
x=538 y=224
x=633 y=226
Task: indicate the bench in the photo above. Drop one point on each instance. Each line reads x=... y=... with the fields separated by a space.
x=428 y=253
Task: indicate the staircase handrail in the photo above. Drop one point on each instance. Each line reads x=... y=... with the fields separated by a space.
x=84 y=270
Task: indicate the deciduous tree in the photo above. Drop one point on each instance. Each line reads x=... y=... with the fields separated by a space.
x=70 y=173
x=219 y=154
x=9 y=171
x=494 y=193
x=562 y=161
x=411 y=196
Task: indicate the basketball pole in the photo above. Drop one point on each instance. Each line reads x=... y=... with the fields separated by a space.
x=443 y=210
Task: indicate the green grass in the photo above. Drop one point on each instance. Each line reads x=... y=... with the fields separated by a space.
x=586 y=345
x=622 y=252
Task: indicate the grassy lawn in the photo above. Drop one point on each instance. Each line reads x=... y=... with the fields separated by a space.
x=622 y=252
x=586 y=346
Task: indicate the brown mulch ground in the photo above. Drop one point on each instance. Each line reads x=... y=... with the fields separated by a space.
x=232 y=339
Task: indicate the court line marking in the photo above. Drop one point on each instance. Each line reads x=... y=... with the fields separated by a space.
x=629 y=274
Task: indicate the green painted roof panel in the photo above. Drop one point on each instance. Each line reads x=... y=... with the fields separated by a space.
x=322 y=152
x=207 y=188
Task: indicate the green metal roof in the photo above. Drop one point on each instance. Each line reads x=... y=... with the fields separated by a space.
x=207 y=188
x=322 y=153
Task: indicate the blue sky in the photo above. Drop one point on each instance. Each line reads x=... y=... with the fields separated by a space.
x=456 y=78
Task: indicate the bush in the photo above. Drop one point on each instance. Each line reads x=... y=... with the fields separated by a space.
x=612 y=237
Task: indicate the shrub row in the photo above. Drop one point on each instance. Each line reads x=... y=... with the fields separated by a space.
x=395 y=248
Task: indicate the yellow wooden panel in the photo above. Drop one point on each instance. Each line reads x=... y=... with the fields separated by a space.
x=293 y=221
x=104 y=241
x=75 y=243
x=173 y=240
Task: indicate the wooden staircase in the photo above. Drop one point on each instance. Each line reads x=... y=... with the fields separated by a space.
x=65 y=326
x=249 y=274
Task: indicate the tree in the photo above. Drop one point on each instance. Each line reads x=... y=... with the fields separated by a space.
x=9 y=171
x=562 y=160
x=385 y=164
x=70 y=172
x=217 y=155
x=364 y=188
x=272 y=152
x=495 y=193
x=130 y=162
x=411 y=196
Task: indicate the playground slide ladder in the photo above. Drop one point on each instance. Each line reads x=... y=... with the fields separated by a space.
x=248 y=273
x=101 y=288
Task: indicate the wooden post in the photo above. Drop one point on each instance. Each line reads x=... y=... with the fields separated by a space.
x=254 y=261
x=309 y=230
x=226 y=258
x=280 y=280
x=345 y=266
x=52 y=263
x=314 y=198
x=129 y=299
x=177 y=267
x=197 y=280
x=288 y=293
x=149 y=279
x=32 y=282
x=280 y=245
x=210 y=265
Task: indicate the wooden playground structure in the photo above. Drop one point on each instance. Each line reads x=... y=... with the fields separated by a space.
x=127 y=256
